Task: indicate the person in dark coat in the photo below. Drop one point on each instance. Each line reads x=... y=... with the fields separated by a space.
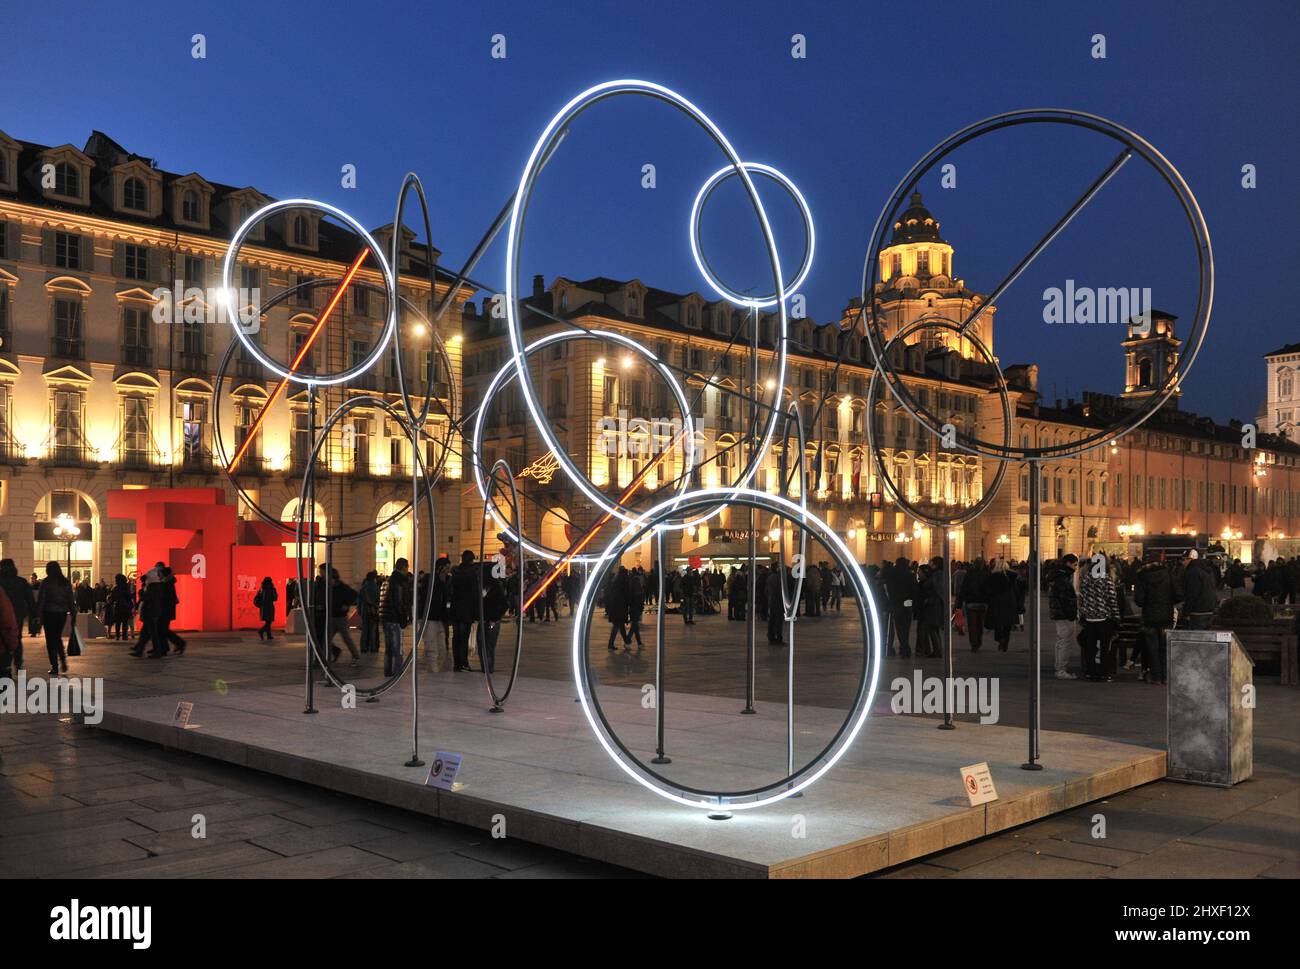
x=928 y=612
x=973 y=598
x=265 y=603
x=1157 y=593
x=635 y=606
x=903 y=593
x=21 y=599
x=169 y=603
x=55 y=602
x=495 y=605
x=120 y=607
x=150 y=612
x=1199 y=596
x=1003 y=603
x=464 y=609
x=368 y=610
x=442 y=599
x=617 y=597
x=775 y=606
x=395 y=606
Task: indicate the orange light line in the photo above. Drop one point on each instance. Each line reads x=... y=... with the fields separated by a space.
x=585 y=539
x=302 y=354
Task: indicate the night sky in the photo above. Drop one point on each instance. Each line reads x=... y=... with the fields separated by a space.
x=288 y=94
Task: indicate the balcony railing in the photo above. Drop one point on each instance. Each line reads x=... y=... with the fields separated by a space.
x=249 y=369
x=139 y=461
x=69 y=455
x=12 y=452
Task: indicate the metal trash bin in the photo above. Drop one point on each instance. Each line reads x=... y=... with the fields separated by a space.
x=1211 y=708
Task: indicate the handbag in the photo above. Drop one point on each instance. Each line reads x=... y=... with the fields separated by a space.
x=959 y=621
x=74 y=642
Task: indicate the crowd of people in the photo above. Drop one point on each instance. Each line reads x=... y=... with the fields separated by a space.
x=1087 y=602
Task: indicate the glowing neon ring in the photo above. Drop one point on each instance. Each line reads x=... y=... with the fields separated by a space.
x=877 y=455
x=508 y=372
x=697 y=246
x=795 y=780
x=254 y=350
x=500 y=472
x=542 y=150
x=1200 y=238
x=420 y=611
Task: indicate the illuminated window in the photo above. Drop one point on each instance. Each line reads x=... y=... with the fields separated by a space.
x=67 y=180
x=135 y=195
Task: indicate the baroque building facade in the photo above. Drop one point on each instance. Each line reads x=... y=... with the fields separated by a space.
x=112 y=333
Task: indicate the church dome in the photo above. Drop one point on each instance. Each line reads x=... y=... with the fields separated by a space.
x=916 y=224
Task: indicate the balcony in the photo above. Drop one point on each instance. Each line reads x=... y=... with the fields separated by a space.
x=12 y=452
x=69 y=456
x=68 y=349
x=199 y=462
x=139 y=461
x=247 y=368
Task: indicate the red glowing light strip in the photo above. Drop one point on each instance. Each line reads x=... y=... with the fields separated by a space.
x=302 y=354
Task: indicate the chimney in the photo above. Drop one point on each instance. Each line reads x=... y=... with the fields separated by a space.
x=539 y=286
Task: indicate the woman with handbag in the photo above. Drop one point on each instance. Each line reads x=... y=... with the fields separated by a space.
x=265 y=603
x=54 y=603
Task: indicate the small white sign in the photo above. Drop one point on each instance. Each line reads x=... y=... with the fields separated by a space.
x=1225 y=637
x=443 y=770
x=183 y=710
x=977 y=782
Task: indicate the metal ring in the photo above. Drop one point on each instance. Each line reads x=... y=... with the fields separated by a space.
x=542 y=150
x=697 y=246
x=500 y=471
x=795 y=781
x=877 y=454
x=1204 y=259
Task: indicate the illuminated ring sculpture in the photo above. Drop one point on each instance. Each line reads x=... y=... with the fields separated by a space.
x=254 y=349
x=500 y=472
x=697 y=246
x=790 y=602
x=796 y=780
x=1134 y=144
x=419 y=610
x=977 y=508
x=411 y=180
x=509 y=372
x=541 y=151
x=219 y=444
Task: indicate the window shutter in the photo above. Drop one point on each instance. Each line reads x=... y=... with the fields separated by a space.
x=119 y=259
x=47 y=247
x=155 y=264
x=87 y=261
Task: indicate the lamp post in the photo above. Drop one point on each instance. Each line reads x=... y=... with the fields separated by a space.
x=66 y=531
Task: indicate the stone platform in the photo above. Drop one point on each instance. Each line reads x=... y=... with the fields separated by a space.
x=894 y=797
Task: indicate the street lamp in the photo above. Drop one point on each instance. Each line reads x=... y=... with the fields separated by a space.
x=394 y=535
x=66 y=531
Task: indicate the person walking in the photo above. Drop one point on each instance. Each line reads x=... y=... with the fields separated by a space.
x=617 y=594
x=974 y=600
x=265 y=603
x=775 y=606
x=368 y=608
x=689 y=586
x=21 y=599
x=395 y=604
x=635 y=606
x=54 y=603
x=1004 y=603
x=170 y=600
x=150 y=605
x=342 y=598
x=1063 y=608
x=464 y=609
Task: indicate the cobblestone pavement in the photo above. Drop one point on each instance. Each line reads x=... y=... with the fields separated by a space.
x=75 y=802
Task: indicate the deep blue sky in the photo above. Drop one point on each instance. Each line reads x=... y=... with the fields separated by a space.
x=289 y=93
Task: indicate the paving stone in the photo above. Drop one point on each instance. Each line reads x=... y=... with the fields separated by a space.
x=1182 y=860
x=301 y=840
x=329 y=863
x=218 y=811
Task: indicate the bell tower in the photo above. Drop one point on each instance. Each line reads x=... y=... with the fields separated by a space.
x=1150 y=355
